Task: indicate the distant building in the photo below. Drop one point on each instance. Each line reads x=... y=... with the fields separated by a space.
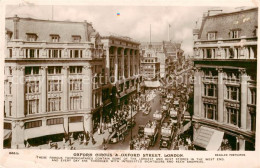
x=225 y=58
x=150 y=65
x=167 y=53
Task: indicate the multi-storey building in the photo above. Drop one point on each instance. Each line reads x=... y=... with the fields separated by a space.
x=122 y=68
x=153 y=60
x=55 y=77
x=225 y=58
x=173 y=56
x=150 y=65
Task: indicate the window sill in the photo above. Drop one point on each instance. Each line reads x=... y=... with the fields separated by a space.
x=210 y=97
x=36 y=93
x=54 y=74
x=50 y=92
x=76 y=91
x=32 y=75
x=231 y=101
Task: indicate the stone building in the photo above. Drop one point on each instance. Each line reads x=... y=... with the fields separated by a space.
x=225 y=59
x=151 y=61
x=55 y=78
x=122 y=66
x=166 y=55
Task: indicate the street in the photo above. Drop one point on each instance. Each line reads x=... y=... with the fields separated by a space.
x=140 y=120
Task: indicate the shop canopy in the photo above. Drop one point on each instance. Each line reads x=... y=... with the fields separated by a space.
x=152 y=84
x=208 y=138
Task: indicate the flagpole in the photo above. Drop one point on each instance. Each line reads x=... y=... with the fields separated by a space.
x=51 y=12
x=150 y=34
x=168 y=32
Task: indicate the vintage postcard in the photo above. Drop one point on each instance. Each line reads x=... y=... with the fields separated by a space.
x=129 y=84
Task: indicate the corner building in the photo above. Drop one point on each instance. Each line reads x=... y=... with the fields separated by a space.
x=49 y=66
x=225 y=59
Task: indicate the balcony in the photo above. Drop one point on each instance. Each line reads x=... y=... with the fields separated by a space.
x=40 y=50
x=228 y=49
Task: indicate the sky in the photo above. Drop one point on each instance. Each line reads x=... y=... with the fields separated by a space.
x=134 y=21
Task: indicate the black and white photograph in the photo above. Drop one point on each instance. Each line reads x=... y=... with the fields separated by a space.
x=130 y=77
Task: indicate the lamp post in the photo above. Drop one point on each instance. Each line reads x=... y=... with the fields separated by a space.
x=131 y=117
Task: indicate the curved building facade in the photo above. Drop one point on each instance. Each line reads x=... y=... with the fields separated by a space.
x=225 y=59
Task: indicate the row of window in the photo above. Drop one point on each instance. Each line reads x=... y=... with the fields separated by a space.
x=229 y=53
x=53 y=38
x=227 y=74
x=53 y=70
x=232 y=34
x=52 y=121
x=53 y=86
x=149 y=60
x=51 y=53
x=232 y=115
x=232 y=93
x=54 y=104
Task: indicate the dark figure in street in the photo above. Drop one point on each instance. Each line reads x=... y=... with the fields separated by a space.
x=104 y=143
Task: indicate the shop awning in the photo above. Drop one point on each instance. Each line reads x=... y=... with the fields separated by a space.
x=152 y=84
x=7 y=134
x=76 y=127
x=208 y=138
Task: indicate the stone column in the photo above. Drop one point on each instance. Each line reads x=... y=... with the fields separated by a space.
x=251 y=53
x=138 y=62
x=128 y=64
x=220 y=94
x=65 y=89
x=43 y=87
x=17 y=135
x=246 y=53
x=133 y=63
x=123 y=63
x=87 y=88
x=197 y=93
x=243 y=107
x=242 y=143
x=19 y=94
x=16 y=27
x=88 y=124
x=107 y=72
x=87 y=97
x=66 y=124
x=116 y=65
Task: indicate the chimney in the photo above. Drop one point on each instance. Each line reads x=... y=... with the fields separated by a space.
x=16 y=27
x=86 y=30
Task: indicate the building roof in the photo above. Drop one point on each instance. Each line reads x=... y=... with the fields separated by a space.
x=44 y=28
x=244 y=20
x=121 y=38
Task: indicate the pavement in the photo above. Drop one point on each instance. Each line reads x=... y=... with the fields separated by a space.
x=78 y=145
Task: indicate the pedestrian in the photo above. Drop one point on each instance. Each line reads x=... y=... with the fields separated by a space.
x=87 y=136
x=123 y=138
x=104 y=144
x=93 y=141
x=25 y=143
x=84 y=140
x=102 y=127
x=50 y=145
x=63 y=140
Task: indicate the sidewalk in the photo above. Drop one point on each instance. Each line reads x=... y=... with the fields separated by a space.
x=77 y=145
